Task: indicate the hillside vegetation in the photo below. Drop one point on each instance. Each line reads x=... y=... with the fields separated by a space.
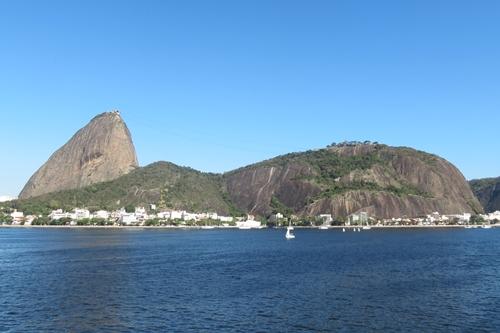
x=161 y=183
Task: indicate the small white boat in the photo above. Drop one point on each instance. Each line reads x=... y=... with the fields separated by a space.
x=323 y=227
x=343 y=229
x=244 y=227
x=249 y=224
x=206 y=227
x=359 y=230
x=289 y=233
x=367 y=227
x=486 y=226
x=468 y=227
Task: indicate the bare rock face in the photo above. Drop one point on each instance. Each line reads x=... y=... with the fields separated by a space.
x=488 y=192
x=341 y=180
x=101 y=151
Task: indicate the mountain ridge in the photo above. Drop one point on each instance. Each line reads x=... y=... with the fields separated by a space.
x=340 y=180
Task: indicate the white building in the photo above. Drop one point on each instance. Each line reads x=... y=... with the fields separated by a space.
x=17 y=217
x=29 y=220
x=80 y=214
x=226 y=219
x=141 y=214
x=117 y=214
x=58 y=214
x=140 y=211
x=163 y=215
x=176 y=215
x=189 y=216
x=101 y=214
x=358 y=219
x=128 y=219
x=493 y=216
x=276 y=217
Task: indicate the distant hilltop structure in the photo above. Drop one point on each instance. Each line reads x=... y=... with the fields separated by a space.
x=353 y=143
x=101 y=151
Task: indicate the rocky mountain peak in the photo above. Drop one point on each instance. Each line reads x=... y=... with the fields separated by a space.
x=100 y=151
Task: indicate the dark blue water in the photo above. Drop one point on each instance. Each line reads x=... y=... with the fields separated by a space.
x=96 y=280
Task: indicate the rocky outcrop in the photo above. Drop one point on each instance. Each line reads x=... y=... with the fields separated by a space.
x=101 y=151
x=341 y=180
x=488 y=192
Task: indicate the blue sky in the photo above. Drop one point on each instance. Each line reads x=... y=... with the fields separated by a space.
x=220 y=84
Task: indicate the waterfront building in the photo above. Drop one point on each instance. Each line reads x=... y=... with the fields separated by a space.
x=226 y=218
x=102 y=214
x=176 y=215
x=358 y=219
x=493 y=216
x=17 y=217
x=128 y=219
x=58 y=214
x=80 y=214
x=189 y=216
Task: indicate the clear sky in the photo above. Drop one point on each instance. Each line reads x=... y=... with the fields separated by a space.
x=220 y=84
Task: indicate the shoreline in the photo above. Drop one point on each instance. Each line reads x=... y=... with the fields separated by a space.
x=453 y=226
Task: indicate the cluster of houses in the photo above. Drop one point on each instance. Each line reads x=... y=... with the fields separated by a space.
x=122 y=217
x=431 y=219
x=140 y=217
x=435 y=218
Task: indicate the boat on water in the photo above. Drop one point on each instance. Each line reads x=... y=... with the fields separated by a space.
x=486 y=226
x=323 y=227
x=343 y=229
x=289 y=231
x=206 y=227
x=249 y=224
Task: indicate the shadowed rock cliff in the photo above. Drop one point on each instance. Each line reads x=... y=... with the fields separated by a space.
x=488 y=192
x=101 y=151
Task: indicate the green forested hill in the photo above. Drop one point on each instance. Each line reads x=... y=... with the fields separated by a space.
x=160 y=183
